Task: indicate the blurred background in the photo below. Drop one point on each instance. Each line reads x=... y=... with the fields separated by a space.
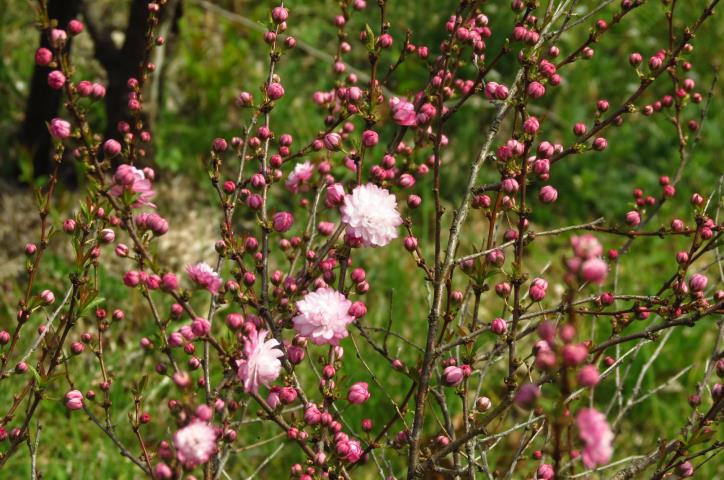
x=216 y=49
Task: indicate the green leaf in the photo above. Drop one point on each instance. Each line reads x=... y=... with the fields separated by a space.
x=92 y=303
x=370 y=44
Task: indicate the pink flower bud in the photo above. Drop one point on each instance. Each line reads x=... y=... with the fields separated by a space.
x=107 y=235
x=496 y=257
x=59 y=128
x=282 y=221
x=385 y=40
x=74 y=400
x=43 y=56
x=275 y=91
x=527 y=395
x=698 y=282
x=600 y=144
x=200 y=327
x=548 y=194
x=537 y=293
x=406 y=180
x=574 y=354
x=545 y=472
x=531 y=125
x=452 y=376
x=594 y=270
x=111 y=148
x=162 y=471
x=280 y=14
x=536 y=90
x=498 y=326
x=503 y=289
x=370 y=138
x=588 y=376
x=358 y=309
x=69 y=226
x=509 y=185
x=358 y=393
x=47 y=296
x=56 y=79
x=410 y=244
x=633 y=218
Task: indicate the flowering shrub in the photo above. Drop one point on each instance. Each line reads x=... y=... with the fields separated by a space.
x=275 y=329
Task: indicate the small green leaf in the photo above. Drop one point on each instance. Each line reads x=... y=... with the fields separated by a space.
x=370 y=44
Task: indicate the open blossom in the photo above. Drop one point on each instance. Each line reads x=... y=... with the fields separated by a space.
x=299 y=176
x=403 y=112
x=261 y=365
x=204 y=276
x=323 y=316
x=195 y=443
x=595 y=432
x=370 y=214
x=130 y=178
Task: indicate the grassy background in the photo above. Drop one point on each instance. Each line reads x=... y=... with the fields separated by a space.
x=216 y=57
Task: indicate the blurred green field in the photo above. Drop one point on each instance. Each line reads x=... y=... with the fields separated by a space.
x=217 y=56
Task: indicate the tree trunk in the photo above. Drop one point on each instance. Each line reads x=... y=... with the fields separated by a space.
x=43 y=102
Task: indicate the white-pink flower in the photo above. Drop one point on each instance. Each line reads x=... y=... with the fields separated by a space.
x=403 y=112
x=128 y=177
x=204 y=276
x=195 y=443
x=261 y=364
x=301 y=173
x=597 y=435
x=323 y=316
x=370 y=214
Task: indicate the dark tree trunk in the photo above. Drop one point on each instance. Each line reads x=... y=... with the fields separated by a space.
x=120 y=64
x=43 y=102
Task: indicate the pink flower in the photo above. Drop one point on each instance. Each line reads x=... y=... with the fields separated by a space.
x=204 y=276
x=588 y=376
x=59 y=128
x=595 y=432
x=335 y=195
x=698 y=282
x=545 y=472
x=370 y=213
x=586 y=246
x=498 y=326
x=633 y=218
x=282 y=221
x=261 y=365
x=323 y=316
x=574 y=354
x=594 y=270
x=275 y=91
x=370 y=138
x=130 y=178
x=195 y=443
x=358 y=393
x=452 y=375
x=56 y=79
x=403 y=112
x=350 y=450
x=548 y=194
x=74 y=400
x=527 y=395
x=299 y=176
